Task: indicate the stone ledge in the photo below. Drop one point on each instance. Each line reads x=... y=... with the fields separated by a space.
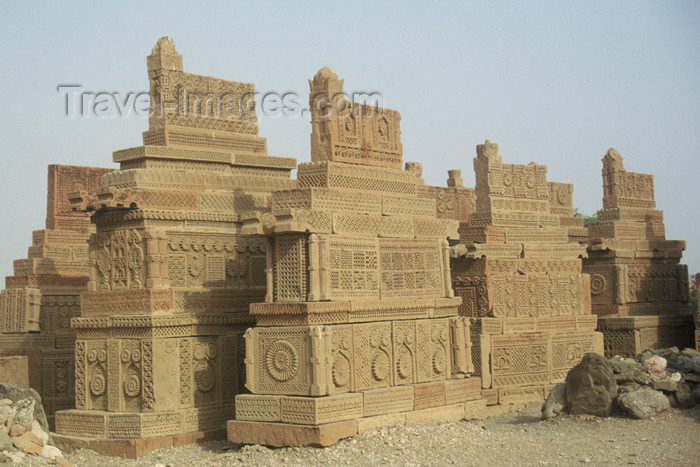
x=285 y=434
x=133 y=448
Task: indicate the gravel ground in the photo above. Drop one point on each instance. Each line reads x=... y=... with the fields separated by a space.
x=519 y=438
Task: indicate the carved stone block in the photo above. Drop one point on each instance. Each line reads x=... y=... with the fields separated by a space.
x=388 y=400
x=520 y=360
x=255 y=407
x=429 y=395
x=320 y=410
x=461 y=390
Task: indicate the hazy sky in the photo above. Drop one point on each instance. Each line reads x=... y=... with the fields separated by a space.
x=553 y=82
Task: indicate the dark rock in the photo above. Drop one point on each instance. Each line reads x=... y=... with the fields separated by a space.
x=591 y=387
x=664 y=385
x=669 y=353
x=685 y=396
x=696 y=393
x=644 y=403
x=682 y=363
x=688 y=352
x=16 y=393
x=691 y=378
x=555 y=403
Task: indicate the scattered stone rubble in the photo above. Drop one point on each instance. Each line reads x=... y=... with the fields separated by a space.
x=23 y=427
x=640 y=387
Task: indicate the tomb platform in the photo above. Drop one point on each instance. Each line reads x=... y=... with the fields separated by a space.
x=517 y=268
x=159 y=347
x=359 y=327
x=43 y=295
x=639 y=289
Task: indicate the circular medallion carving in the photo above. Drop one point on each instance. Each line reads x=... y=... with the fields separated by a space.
x=439 y=362
x=562 y=195
x=97 y=385
x=136 y=356
x=345 y=343
x=282 y=360
x=530 y=181
x=213 y=351
x=92 y=356
x=380 y=366
x=204 y=378
x=102 y=355
x=598 y=284
x=507 y=179
x=132 y=386
x=341 y=372
x=404 y=366
x=125 y=356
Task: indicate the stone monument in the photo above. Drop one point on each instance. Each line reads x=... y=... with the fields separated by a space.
x=359 y=327
x=521 y=283
x=159 y=350
x=638 y=288
x=44 y=293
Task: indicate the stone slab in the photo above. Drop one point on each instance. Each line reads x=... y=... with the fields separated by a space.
x=132 y=448
x=284 y=434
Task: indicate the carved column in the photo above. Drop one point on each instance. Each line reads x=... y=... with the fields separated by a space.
x=313 y=268
x=269 y=268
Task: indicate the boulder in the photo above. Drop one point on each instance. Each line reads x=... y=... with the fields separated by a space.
x=25 y=445
x=39 y=433
x=5 y=441
x=638 y=376
x=51 y=452
x=669 y=353
x=665 y=385
x=656 y=366
x=555 y=403
x=644 y=403
x=628 y=387
x=684 y=396
x=696 y=393
x=24 y=412
x=591 y=387
x=15 y=393
x=622 y=365
x=682 y=363
x=17 y=430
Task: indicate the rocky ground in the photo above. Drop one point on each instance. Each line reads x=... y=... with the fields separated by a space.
x=518 y=438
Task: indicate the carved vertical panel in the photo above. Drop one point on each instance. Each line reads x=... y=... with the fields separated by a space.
x=373 y=359
x=342 y=366
x=404 y=341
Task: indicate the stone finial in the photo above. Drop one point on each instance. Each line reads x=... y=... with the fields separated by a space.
x=455 y=178
x=326 y=80
x=613 y=159
x=164 y=56
x=487 y=150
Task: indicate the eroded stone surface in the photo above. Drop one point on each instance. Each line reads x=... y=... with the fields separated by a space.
x=591 y=387
x=643 y=403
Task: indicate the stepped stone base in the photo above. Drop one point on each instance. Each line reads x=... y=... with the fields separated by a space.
x=133 y=448
x=287 y=434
